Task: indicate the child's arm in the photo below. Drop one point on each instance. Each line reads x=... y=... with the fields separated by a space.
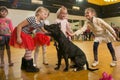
x=11 y=25
x=108 y=27
x=79 y=31
x=19 y=28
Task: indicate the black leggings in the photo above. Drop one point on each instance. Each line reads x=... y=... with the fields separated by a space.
x=110 y=47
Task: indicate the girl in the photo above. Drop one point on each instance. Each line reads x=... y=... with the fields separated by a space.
x=21 y=37
x=102 y=32
x=62 y=18
x=6 y=28
x=41 y=40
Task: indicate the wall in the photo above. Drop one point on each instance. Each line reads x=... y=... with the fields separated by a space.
x=19 y=15
x=115 y=20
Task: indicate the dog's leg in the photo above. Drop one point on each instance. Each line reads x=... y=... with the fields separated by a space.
x=66 y=62
x=59 y=60
x=79 y=63
x=73 y=63
x=57 y=49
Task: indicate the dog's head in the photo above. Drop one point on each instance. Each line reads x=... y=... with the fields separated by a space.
x=53 y=29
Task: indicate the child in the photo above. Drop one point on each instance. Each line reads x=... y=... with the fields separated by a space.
x=21 y=37
x=6 y=28
x=41 y=40
x=102 y=32
x=62 y=18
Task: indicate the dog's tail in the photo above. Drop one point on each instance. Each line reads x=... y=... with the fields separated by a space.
x=90 y=69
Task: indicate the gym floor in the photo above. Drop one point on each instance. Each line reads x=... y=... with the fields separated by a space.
x=47 y=72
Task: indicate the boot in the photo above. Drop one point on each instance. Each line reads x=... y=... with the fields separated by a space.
x=23 y=64
x=30 y=67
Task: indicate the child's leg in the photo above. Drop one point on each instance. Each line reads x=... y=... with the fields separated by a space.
x=2 y=58
x=95 y=51
x=7 y=38
x=44 y=48
x=111 y=49
x=36 y=55
x=9 y=57
x=2 y=47
x=28 y=54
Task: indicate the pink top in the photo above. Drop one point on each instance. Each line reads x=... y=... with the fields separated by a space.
x=6 y=26
x=65 y=27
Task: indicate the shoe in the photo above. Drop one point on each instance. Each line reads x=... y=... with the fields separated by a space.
x=95 y=63
x=113 y=63
x=35 y=65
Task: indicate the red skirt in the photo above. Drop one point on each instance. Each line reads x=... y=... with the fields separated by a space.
x=41 y=39
x=27 y=41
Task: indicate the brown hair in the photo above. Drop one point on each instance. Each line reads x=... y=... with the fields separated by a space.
x=41 y=9
x=91 y=10
x=2 y=8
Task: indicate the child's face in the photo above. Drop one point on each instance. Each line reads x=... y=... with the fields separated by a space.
x=89 y=14
x=63 y=14
x=3 y=13
x=43 y=14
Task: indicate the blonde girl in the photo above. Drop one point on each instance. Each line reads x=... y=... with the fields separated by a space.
x=21 y=37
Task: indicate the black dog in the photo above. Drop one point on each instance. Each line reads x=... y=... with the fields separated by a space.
x=67 y=49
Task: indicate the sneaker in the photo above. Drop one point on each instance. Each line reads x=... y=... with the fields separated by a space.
x=113 y=63
x=34 y=65
x=95 y=63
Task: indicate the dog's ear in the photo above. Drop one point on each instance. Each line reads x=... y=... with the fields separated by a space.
x=59 y=25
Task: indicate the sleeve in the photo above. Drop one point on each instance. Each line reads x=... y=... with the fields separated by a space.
x=30 y=19
x=11 y=25
x=107 y=27
x=81 y=30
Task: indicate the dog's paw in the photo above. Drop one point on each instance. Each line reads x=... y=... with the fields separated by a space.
x=56 y=68
x=75 y=70
x=65 y=70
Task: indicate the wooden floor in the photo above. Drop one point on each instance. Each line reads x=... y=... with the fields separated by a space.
x=48 y=72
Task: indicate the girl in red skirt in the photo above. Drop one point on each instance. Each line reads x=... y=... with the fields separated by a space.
x=41 y=40
x=21 y=37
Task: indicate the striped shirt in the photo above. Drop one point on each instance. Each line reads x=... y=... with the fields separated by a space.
x=32 y=25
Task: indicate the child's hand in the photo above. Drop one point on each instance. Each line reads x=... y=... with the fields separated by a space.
x=117 y=39
x=19 y=40
x=70 y=34
x=47 y=33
